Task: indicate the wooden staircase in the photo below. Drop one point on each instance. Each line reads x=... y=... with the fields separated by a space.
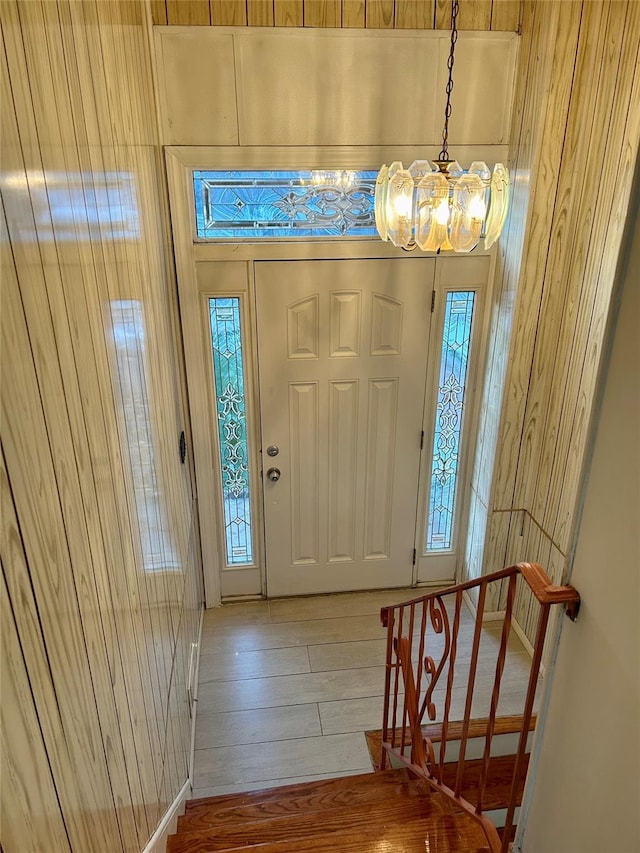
x=390 y=810
x=427 y=795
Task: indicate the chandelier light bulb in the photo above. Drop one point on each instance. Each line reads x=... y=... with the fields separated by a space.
x=402 y=206
x=441 y=213
x=477 y=208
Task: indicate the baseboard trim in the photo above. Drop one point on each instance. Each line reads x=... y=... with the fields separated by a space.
x=489 y=616
x=526 y=642
x=167 y=826
x=194 y=703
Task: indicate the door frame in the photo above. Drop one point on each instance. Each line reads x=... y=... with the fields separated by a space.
x=188 y=252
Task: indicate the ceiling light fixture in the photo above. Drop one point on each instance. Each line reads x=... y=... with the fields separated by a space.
x=447 y=207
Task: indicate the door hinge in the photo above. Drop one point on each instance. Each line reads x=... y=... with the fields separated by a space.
x=414 y=557
x=433 y=300
x=422 y=440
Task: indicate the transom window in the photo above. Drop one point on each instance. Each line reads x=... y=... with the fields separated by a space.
x=250 y=205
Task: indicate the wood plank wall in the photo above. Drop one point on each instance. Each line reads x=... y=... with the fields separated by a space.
x=100 y=598
x=577 y=132
x=501 y=15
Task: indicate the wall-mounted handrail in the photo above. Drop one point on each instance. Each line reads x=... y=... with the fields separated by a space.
x=423 y=631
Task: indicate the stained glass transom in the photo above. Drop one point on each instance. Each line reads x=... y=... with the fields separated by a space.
x=242 y=205
x=446 y=444
x=226 y=340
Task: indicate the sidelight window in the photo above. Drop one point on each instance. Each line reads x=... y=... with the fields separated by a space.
x=452 y=386
x=229 y=380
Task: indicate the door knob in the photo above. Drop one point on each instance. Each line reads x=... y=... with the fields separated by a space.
x=273 y=474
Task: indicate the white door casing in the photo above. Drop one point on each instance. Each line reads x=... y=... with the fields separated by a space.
x=230 y=268
x=342 y=353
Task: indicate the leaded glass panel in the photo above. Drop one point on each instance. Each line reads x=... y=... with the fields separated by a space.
x=242 y=205
x=448 y=426
x=226 y=340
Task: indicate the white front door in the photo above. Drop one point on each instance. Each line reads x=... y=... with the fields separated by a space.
x=342 y=354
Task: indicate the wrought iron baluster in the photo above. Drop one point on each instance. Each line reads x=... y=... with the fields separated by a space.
x=470 y=686
x=495 y=695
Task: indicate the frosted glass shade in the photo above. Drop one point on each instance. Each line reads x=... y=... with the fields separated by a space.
x=380 y=202
x=465 y=229
x=399 y=207
x=432 y=212
x=500 y=194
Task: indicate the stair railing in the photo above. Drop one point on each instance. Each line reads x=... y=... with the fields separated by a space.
x=424 y=631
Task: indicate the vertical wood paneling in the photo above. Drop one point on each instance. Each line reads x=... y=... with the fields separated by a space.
x=414 y=16
x=442 y=16
x=31 y=819
x=56 y=381
x=288 y=13
x=472 y=15
x=600 y=238
x=505 y=15
x=322 y=13
x=379 y=14
x=567 y=293
x=26 y=444
x=544 y=128
x=260 y=13
x=194 y=12
x=353 y=13
x=106 y=653
x=145 y=618
x=159 y=12
x=230 y=13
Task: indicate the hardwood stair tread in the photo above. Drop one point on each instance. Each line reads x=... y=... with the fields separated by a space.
x=444 y=833
x=336 y=821
x=393 y=788
x=320 y=787
x=477 y=729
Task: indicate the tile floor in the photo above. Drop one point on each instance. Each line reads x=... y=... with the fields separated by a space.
x=288 y=687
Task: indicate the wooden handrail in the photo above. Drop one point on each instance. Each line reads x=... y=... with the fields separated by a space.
x=424 y=619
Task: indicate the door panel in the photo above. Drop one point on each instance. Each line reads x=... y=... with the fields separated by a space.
x=342 y=353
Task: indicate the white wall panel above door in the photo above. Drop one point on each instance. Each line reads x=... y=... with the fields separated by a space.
x=331 y=87
x=328 y=88
x=196 y=86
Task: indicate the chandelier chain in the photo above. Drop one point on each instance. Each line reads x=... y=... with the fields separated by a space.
x=444 y=153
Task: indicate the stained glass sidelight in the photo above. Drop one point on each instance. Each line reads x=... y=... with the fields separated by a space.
x=240 y=205
x=226 y=340
x=448 y=426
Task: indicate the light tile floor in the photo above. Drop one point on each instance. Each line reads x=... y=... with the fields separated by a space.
x=287 y=688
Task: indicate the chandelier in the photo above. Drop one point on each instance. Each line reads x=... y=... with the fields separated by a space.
x=440 y=206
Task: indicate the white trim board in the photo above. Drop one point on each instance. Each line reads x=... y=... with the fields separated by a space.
x=167 y=826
